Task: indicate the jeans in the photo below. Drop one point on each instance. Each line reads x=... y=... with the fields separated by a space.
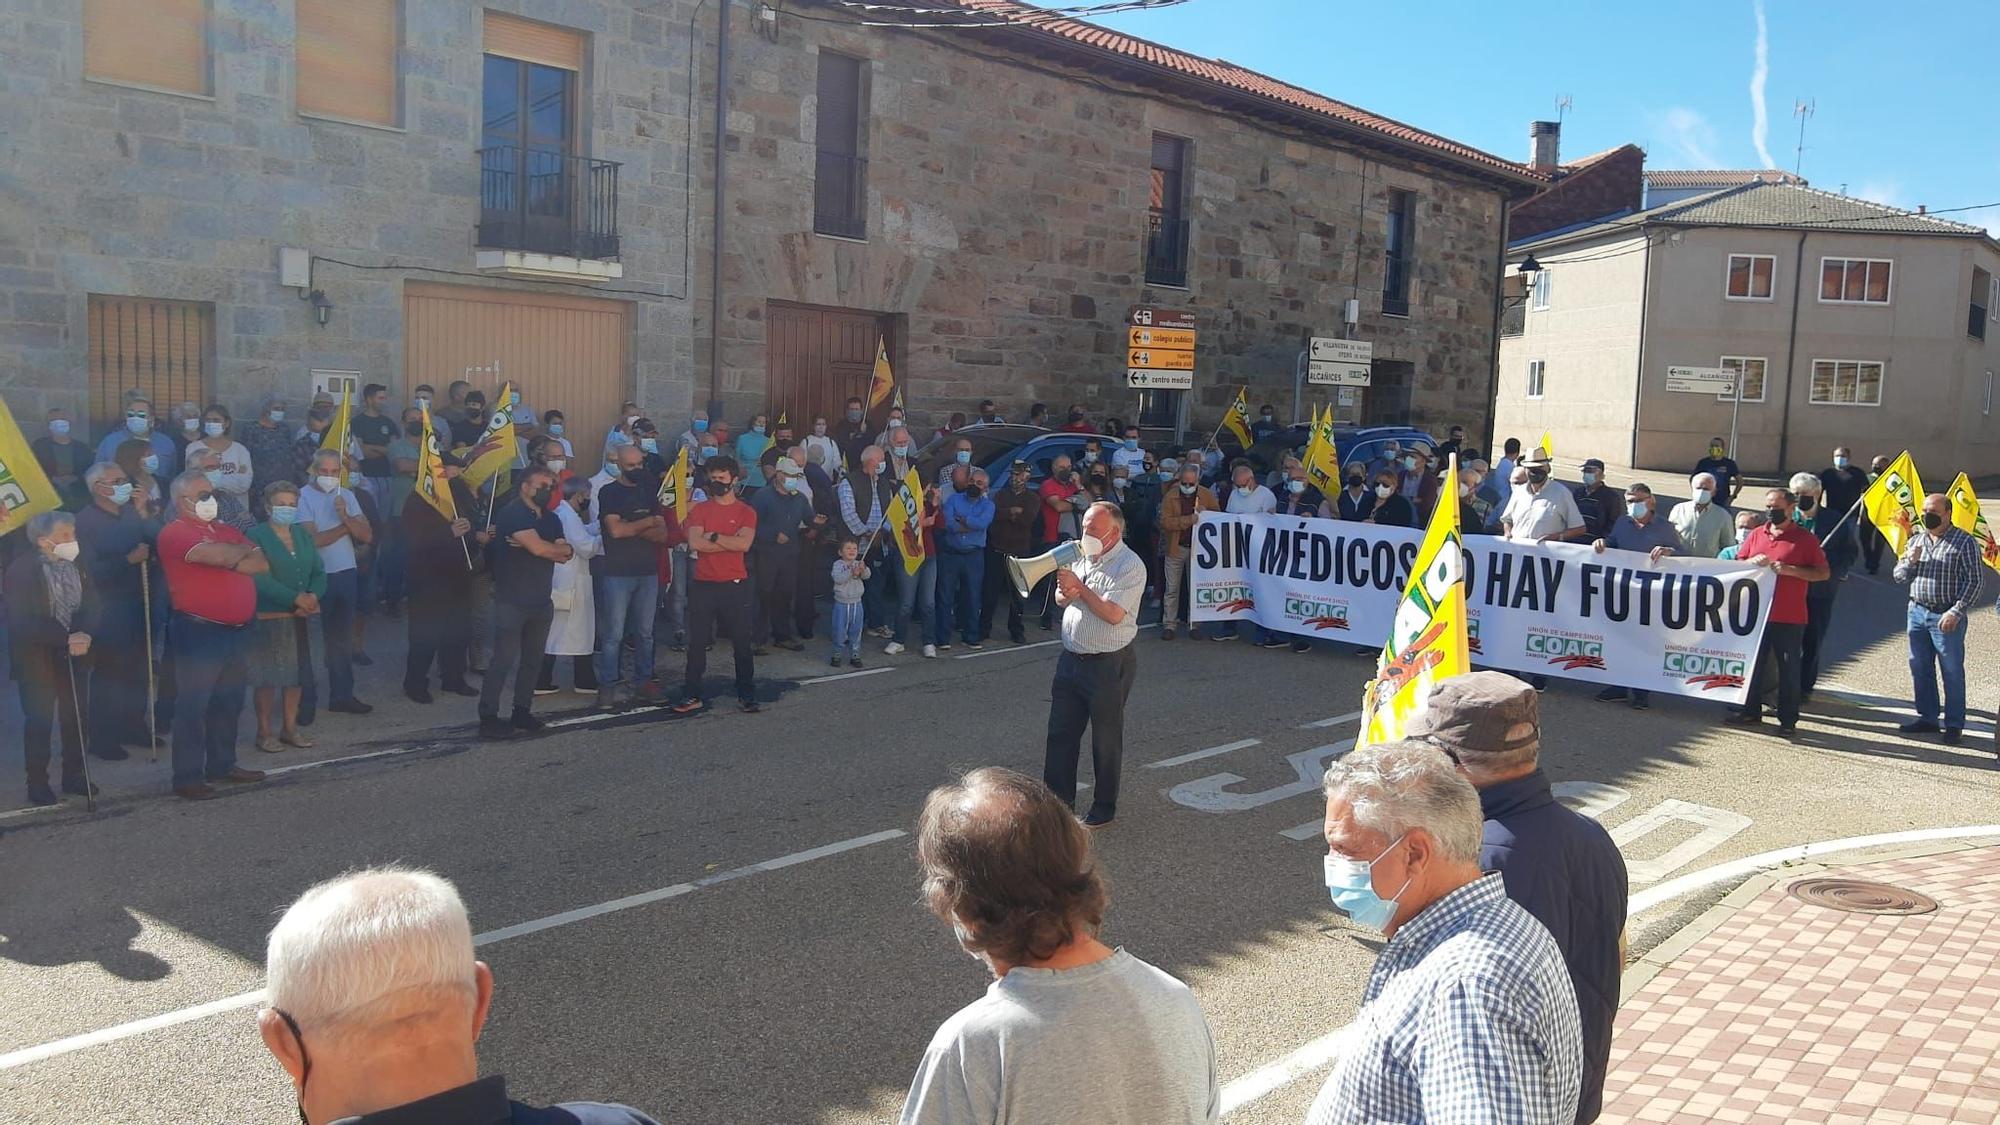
x=726 y=604
x=777 y=578
x=913 y=590
x=208 y=668
x=677 y=594
x=959 y=574
x=846 y=629
x=1819 y=615
x=1934 y=652
x=1782 y=643
x=519 y=635
x=48 y=699
x=336 y=630
x=1089 y=690
x=626 y=605
x=479 y=637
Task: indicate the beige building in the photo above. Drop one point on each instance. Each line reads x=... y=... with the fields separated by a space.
x=1851 y=323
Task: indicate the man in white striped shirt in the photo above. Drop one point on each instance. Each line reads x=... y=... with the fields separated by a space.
x=1100 y=596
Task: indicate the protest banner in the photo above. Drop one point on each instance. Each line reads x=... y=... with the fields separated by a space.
x=1682 y=626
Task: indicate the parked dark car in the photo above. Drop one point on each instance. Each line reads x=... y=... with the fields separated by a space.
x=996 y=447
x=1355 y=443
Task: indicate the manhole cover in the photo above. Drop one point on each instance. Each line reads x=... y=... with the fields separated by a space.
x=1857 y=896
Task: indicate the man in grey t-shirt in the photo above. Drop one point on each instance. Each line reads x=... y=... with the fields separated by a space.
x=1071 y=1030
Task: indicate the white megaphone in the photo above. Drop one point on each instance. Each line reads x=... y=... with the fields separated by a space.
x=1028 y=572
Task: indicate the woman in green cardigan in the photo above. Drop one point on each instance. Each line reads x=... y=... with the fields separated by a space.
x=287 y=595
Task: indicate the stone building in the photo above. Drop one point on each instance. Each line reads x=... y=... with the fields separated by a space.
x=990 y=202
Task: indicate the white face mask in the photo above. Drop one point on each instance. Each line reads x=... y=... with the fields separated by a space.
x=1742 y=533
x=1384 y=491
x=1702 y=496
x=67 y=552
x=205 y=510
x=558 y=465
x=327 y=484
x=1092 y=546
x=191 y=425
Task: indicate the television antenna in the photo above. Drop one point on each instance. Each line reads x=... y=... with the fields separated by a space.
x=1803 y=110
x=1563 y=104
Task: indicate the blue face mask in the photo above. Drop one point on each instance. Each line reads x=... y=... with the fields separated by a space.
x=136 y=423
x=707 y=451
x=1636 y=509
x=650 y=445
x=555 y=429
x=701 y=425
x=1131 y=443
x=214 y=475
x=756 y=429
x=612 y=470
x=59 y=427
x=284 y=515
x=965 y=456
x=150 y=462
x=1352 y=885
x=121 y=493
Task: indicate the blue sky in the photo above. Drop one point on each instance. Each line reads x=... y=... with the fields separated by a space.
x=1908 y=110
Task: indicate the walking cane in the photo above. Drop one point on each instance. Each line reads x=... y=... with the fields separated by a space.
x=152 y=691
x=76 y=708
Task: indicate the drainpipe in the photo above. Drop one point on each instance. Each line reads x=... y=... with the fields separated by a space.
x=721 y=201
x=1791 y=354
x=1493 y=375
x=1639 y=383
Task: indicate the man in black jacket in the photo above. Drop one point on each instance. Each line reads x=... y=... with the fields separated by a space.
x=1560 y=866
x=51 y=612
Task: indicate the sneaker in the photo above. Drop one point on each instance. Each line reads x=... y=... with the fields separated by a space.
x=892 y=648
x=608 y=699
x=836 y=660
x=651 y=693
x=930 y=651
x=493 y=729
x=974 y=646
x=525 y=720
x=1302 y=646
x=689 y=705
x=945 y=647
x=854 y=662
x=748 y=706
x=549 y=690
x=40 y=794
x=1272 y=642
x=585 y=689
x=1611 y=695
x=760 y=650
x=1167 y=633
x=1222 y=636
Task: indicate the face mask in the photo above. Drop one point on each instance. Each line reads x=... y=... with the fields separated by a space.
x=719 y=487
x=421 y=401
x=902 y=451
x=555 y=429
x=1384 y=491
x=756 y=429
x=1464 y=489
x=1807 y=503
x=121 y=492
x=1538 y=476
x=1089 y=458
x=876 y=469
x=326 y=483
x=1933 y=521
x=558 y=465
x=1355 y=482
x=1131 y=443
x=707 y=451
x=1636 y=509
x=1777 y=516
x=652 y=445
x=1742 y=535
x=964 y=456
x=1589 y=479
x=1188 y=489
x=1295 y=486
x=1169 y=468
x=414 y=429
x=214 y=475
x=1063 y=475
x=819 y=429
x=1267 y=416
x=791 y=484
x=150 y=462
x=205 y=510
x=67 y=552
x=1409 y=462
x=1715 y=451
x=1092 y=546
x=191 y=425
x=1351 y=883
x=1839 y=462
x=854 y=416
x=1703 y=496
x=135 y=423
x=541 y=496
x=1120 y=482
x=59 y=427
x=513 y=398
x=475 y=418
x=284 y=515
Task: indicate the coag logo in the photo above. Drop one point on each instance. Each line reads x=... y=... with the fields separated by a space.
x=1567 y=653
x=1472 y=634
x=1709 y=673
x=1316 y=614
x=1226 y=598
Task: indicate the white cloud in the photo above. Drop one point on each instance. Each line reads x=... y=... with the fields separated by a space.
x=1760 y=126
x=1691 y=139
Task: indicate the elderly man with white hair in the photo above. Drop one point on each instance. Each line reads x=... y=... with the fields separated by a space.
x=1704 y=524
x=1840 y=540
x=375 y=1004
x=1469 y=1014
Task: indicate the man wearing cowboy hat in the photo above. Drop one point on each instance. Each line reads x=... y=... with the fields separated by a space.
x=1542 y=511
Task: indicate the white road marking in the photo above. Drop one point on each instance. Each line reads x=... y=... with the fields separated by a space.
x=1009 y=648
x=297 y=766
x=1333 y=722
x=1198 y=755
x=29 y=809
x=1749 y=865
x=845 y=676
x=1212 y=793
x=1714 y=825
x=73 y=1043
x=1283 y=1072
x=601 y=717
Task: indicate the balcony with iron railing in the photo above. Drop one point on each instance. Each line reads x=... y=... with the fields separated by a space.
x=1166 y=250
x=561 y=209
x=840 y=195
x=1396 y=285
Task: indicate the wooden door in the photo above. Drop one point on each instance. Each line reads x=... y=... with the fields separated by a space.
x=816 y=358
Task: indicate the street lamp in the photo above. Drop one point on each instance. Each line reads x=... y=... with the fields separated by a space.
x=1526 y=271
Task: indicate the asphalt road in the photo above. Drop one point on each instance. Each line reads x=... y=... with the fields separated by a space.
x=781 y=969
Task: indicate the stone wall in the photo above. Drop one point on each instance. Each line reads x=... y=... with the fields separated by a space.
x=116 y=190
x=1006 y=210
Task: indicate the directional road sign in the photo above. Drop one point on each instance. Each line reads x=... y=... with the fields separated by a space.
x=1333 y=362
x=1160 y=360
x=1148 y=316
x=1702 y=380
x=1148 y=379
x=1179 y=339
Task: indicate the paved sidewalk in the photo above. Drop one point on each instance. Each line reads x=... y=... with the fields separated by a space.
x=1787 y=1011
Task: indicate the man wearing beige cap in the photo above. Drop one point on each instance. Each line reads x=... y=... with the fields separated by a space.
x=1557 y=864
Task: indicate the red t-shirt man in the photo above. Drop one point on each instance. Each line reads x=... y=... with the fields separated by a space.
x=1051 y=518
x=1787 y=544
x=721 y=519
x=213 y=593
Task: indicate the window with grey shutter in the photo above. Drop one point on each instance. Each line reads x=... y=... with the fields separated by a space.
x=840 y=184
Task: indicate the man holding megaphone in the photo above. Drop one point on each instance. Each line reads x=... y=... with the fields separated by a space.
x=1100 y=583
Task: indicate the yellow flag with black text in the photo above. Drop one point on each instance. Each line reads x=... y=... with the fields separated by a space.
x=497 y=448
x=431 y=482
x=906 y=521
x=1427 y=641
x=674 y=486
x=1322 y=457
x=1966 y=516
x=24 y=487
x=1237 y=419
x=1897 y=490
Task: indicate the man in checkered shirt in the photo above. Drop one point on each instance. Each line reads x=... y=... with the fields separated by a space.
x=1469 y=1015
x=1944 y=572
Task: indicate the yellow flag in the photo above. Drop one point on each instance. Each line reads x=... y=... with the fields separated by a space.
x=674 y=486
x=1966 y=516
x=1549 y=445
x=497 y=448
x=1322 y=456
x=1898 y=489
x=431 y=483
x=1237 y=420
x=24 y=487
x=905 y=516
x=884 y=380
x=336 y=434
x=1427 y=642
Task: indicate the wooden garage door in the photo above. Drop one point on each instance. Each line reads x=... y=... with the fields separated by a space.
x=568 y=353
x=816 y=358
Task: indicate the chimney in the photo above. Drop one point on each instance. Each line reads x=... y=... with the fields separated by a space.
x=1544 y=140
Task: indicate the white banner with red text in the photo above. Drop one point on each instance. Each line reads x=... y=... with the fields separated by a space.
x=1683 y=626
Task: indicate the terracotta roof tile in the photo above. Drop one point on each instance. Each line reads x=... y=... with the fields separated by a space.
x=1719 y=178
